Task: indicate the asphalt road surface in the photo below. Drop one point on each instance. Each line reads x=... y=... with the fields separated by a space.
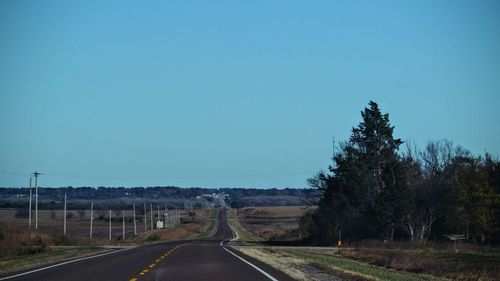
x=203 y=260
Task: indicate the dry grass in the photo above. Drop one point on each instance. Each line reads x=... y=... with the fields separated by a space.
x=272 y=223
x=17 y=239
x=242 y=234
x=467 y=265
x=52 y=255
x=278 y=261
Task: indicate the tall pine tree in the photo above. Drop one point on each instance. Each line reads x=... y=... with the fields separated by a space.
x=366 y=194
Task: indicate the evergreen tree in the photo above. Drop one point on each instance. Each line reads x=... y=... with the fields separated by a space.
x=366 y=168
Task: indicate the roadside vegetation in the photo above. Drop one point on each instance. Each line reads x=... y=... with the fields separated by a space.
x=210 y=226
x=352 y=269
x=273 y=223
x=242 y=234
x=49 y=256
x=474 y=262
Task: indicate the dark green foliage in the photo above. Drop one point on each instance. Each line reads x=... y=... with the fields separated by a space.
x=374 y=191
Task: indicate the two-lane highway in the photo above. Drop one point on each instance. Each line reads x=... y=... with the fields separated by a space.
x=190 y=260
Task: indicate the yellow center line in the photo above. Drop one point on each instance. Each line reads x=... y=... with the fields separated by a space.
x=156 y=261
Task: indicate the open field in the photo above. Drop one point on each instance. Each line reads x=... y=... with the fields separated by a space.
x=272 y=223
x=210 y=227
x=78 y=224
x=242 y=234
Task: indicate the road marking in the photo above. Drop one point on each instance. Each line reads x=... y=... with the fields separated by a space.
x=252 y=265
x=59 y=264
x=152 y=265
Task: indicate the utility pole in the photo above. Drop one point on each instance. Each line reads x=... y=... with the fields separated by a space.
x=123 y=225
x=145 y=218
x=29 y=223
x=36 y=174
x=109 y=225
x=64 y=213
x=91 y=217
x=164 y=217
x=158 y=219
x=151 y=216
x=135 y=223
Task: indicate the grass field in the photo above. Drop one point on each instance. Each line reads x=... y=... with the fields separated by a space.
x=210 y=227
x=78 y=225
x=242 y=234
x=272 y=223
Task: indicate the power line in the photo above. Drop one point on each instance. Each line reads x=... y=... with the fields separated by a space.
x=7 y=181
x=15 y=174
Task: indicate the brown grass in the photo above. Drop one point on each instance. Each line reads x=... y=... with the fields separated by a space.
x=467 y=265
x=17 y=239
x=272 y=223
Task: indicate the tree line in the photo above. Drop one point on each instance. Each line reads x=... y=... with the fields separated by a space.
x=380 y=187
x=175 y=197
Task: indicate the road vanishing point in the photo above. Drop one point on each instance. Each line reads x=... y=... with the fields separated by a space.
x=207 y=260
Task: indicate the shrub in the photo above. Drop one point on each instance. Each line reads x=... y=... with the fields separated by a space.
x=154 y=237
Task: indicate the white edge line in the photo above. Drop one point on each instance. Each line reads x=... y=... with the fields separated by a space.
x=59 y=264
x=251 y=264
x=244 y=260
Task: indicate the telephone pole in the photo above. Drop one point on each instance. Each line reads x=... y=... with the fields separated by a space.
x=123 y=225
x=29 y=215
x=135 y=223
x=145 y=218
x=64 y=213
x=36 y=174
x=151 y=215
x=91 y=217
x=109 y=225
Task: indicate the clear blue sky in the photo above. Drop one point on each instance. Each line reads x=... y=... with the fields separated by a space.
x=234 y=93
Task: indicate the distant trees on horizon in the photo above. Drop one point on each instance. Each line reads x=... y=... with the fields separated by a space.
x=121 y=197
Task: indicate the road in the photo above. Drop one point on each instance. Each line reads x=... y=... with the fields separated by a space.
x=204 y=260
